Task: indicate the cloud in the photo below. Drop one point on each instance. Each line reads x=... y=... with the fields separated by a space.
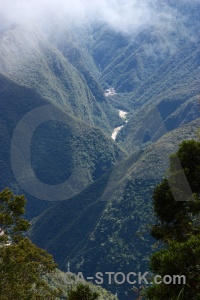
x=123 y=15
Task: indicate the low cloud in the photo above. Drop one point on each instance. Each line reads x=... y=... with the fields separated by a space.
x=123 y=15
x=126 y=16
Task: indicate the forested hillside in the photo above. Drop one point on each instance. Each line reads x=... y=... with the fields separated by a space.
x=59 y=151
x=110 y=220
x=157 y=69
x=89 y=198
x=29 y=59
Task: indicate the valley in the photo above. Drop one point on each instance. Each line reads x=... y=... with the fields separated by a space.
x=128 y=97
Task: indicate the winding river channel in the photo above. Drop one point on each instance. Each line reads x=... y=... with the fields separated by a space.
x=122 y=114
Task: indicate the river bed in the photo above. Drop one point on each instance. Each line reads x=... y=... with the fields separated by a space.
x=122 y=114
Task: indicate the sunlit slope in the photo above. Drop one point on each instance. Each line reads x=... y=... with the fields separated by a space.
x=28 y=58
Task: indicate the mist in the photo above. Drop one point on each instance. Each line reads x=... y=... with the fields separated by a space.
x=122 y=15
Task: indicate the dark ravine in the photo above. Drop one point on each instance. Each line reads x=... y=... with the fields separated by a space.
x=105 y=225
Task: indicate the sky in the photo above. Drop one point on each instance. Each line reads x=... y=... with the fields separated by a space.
x=120 y=14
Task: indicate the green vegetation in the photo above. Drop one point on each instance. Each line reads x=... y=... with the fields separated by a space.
x=112 y=234
x=155 y=73
x=57 y=150
x=82 y=292
x=177 y=225
x=22 y=263
x=57 y=279
x=176 y=217
x=42 y=67
x=156 y=69
x=28 y=272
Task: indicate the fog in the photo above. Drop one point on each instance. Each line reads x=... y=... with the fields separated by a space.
x=122 y=15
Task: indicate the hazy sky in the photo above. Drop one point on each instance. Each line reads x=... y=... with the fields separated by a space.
x=121 y=14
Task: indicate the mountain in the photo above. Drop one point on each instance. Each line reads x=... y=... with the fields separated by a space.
x=28 y=58
x=92 y=203
x=154 y=69
x=60 y=150
x=173 y=91
x=133 y=58
x=106 y=227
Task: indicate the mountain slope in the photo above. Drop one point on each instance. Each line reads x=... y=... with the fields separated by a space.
x=112 y=234
x=28 y=58
x=72 y=151
x=71 y=43
x=173 y=91
x=136 y=57
x=103 y=222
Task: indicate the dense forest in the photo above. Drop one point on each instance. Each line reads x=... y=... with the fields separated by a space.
x=68 y=78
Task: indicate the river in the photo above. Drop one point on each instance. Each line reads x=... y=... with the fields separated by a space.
x=122 y=114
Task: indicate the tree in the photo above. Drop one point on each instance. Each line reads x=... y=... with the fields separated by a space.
x=178 y=219
x=177 y=226
x=179 y=258
x=12 y=225
x=22 y=264
x=83 y=292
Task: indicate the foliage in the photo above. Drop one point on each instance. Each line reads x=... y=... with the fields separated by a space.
x=156 y=69
x=28 y=272
x=177 y=219
x=180 y=258
x=157 y=72
x=82 y=292
x=111 y=234
x=49 y=73
x=12 y=225
x=57 y=149
x=178 y=227
x=22 y=263
x=57 y=280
